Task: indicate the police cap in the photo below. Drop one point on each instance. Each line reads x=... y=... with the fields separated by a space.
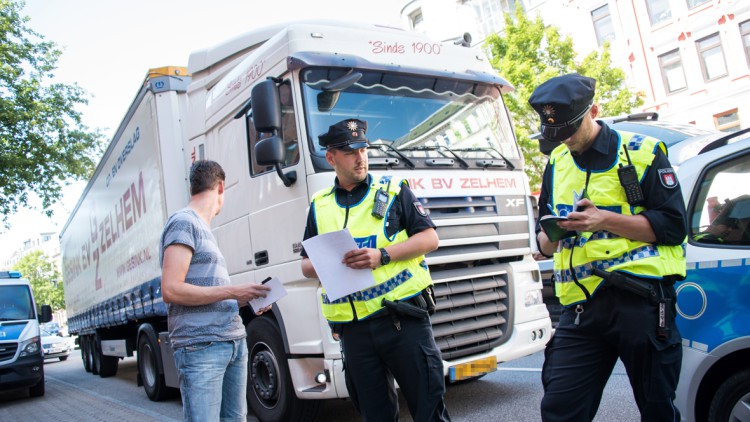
x=562 y=102
x=346 y=135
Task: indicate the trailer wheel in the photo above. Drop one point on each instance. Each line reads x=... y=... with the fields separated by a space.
x=83 y=341
x=38 y=389
x=732 y=399
x=270 y=393
x=92 y=355
x=106 y=365
x=148 y=367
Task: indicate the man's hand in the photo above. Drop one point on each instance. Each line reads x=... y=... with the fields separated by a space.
x=588 y=218
x=246 y=292
x=359 y=259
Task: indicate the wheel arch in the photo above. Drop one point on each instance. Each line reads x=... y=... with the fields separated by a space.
x=732 y=357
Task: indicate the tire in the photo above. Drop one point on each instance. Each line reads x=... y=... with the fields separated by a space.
x=91 y=355
x=732 y=399
x=270 y=393
x=85 y=353
x=149 y=368
x=106 y=366
x=63 y=358
x=38 y=389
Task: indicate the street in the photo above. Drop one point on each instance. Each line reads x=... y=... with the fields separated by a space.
x=512 y=393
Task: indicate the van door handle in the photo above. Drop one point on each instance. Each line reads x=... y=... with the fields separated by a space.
x=261 y=258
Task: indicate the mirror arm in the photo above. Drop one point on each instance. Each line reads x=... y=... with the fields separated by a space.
x=288 y=178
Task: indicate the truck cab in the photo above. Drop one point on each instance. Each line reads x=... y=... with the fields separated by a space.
x=21 y=354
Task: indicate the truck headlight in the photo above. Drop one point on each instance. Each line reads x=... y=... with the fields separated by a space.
x=30 y=346
x=533 y=297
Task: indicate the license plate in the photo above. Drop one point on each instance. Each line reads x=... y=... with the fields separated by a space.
x=473 y=369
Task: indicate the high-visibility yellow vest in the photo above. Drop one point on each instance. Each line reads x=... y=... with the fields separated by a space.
x=395 y=281
x=603 y=249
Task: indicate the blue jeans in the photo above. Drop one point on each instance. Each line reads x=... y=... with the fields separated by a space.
x=213 y=380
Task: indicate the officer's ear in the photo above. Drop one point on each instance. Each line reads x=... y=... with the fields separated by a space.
x=329 y=156
x=594 y=110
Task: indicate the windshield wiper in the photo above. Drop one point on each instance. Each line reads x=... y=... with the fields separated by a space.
x=387 y=147
x=507 y=162
x=439 y=148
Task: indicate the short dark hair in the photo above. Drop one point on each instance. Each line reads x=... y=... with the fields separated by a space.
x=205 y=175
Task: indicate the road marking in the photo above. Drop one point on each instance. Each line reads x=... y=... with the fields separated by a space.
x=147 y=412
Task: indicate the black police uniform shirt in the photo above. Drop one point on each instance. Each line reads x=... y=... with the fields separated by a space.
x=403 y=214
x=665 y=208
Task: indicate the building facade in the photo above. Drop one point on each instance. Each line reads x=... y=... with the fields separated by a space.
x=690 y=57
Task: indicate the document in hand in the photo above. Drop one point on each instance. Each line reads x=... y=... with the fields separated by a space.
x=326 y=251
x=277 y=292
x=553 y=231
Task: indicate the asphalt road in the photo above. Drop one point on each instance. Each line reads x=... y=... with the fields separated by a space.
x=510 y=394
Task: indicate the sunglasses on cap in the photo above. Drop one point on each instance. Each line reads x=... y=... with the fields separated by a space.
x=561 y=132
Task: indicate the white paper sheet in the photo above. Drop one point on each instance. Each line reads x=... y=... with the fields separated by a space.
x=277 y=292
x=326 y=251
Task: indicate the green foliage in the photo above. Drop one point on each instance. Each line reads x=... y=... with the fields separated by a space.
x=529 y=53
x=46 y=280
x=43 y=143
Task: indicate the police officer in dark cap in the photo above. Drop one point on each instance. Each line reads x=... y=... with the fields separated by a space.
x=385 y=330
x=617 y=256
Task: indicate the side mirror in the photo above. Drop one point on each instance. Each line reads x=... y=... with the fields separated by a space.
x=46 y=314
x=266 y=105
x=270 y=152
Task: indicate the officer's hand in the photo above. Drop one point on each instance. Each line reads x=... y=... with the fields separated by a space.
x=588 y=218
x=362 y=258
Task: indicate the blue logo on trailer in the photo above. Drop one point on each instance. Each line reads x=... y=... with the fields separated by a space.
x=712 y=303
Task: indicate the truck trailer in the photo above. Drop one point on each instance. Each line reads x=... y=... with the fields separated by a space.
x=256 y=105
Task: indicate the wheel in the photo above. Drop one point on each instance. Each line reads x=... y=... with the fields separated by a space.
x=85 y=353
x=148 y=367
x=732 y=400
x=106 y=366
x=38 y=389
x=63 y=358
x=270 y=393
x=91 y=355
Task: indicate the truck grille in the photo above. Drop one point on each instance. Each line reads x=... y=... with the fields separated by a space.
x=473 y=293
x=7 y=351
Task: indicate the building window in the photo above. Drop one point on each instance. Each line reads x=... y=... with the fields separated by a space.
x=490 y=16
x=603 y=27
x=728 y=121
x=694 y=3
x=417 y=20
x=672 y=71
x=745 y=31
x=658 y=10
x=712 y=57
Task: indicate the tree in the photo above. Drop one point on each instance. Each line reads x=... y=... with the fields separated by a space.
x=527 y=54
x=45 y=279
x=43 y=143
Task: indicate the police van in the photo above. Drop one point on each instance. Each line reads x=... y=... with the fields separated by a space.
x=713 y=302
x=21 y=354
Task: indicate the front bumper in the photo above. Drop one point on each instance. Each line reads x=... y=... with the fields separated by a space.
x=27 y=371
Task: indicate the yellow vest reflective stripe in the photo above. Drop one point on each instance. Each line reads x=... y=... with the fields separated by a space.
x=602 y=249
x=395 y=281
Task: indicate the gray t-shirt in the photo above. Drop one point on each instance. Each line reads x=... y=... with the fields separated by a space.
x=218 y=321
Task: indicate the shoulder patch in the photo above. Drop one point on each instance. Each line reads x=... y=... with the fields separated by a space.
x=420 y=208
x=668 y=178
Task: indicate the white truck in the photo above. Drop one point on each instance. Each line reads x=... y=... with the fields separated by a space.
x=256 y=104
x=21 y=354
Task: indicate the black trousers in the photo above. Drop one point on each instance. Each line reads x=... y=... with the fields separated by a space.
x=375 y=353
x=579 y=358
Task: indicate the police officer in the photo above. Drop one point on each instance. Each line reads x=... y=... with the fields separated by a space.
x=628 y=229
x=394 y=233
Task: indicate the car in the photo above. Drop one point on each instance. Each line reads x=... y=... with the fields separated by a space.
x=683 y=142
x=55 y=346
x=52 y=327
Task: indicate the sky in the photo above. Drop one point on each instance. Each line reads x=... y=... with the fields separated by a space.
x=108 y=46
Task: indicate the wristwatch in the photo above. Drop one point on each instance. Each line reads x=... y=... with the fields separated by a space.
x=385 y=259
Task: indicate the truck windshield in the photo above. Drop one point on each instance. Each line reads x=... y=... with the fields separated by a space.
x=15 y=303
x=416 y=115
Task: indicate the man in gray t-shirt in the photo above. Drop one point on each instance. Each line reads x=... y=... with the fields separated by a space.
x=204 y=324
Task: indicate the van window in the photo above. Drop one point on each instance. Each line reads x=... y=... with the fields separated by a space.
x=288 y=133
x=722 y=210
x=15 y=303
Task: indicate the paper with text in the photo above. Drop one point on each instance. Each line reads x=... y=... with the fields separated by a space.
x=277 y=292
x=326 y=251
